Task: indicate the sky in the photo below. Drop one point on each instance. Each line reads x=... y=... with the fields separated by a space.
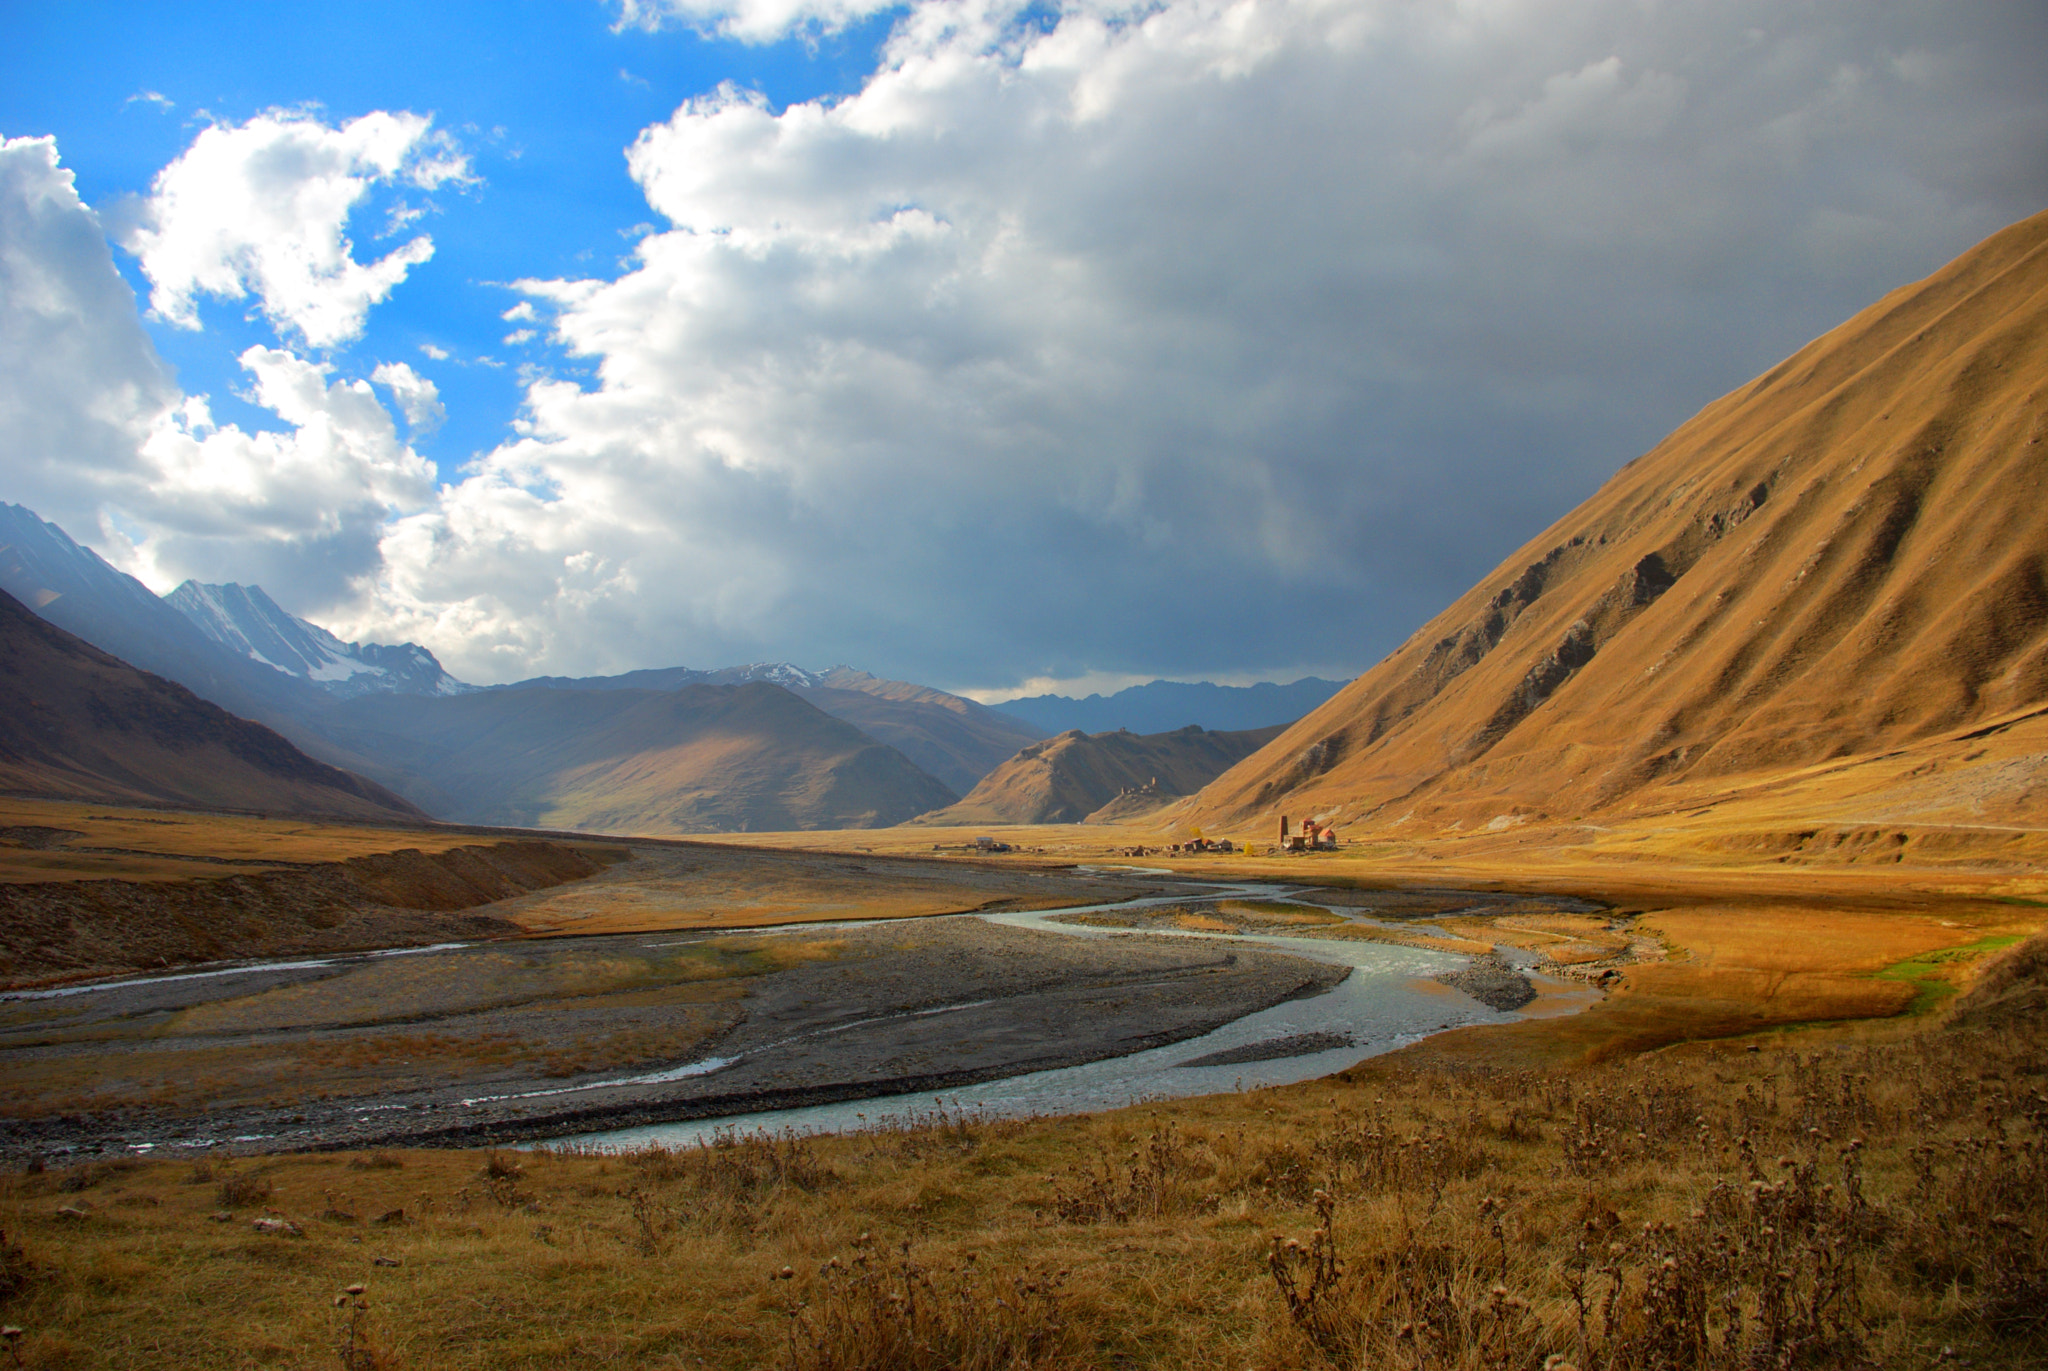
x=1001 y=347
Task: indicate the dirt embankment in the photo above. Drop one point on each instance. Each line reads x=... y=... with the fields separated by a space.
x=68 y=929
x=2012 y=991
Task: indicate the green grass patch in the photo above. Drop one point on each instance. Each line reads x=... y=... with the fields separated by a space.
x=1922 y=972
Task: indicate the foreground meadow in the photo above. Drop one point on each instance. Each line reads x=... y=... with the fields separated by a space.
x=1847 y=1195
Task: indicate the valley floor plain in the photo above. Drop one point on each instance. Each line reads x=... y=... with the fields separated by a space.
x=1808 y=1131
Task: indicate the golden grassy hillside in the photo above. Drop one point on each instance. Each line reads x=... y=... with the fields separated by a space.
x=90 y=890
x=1075 y=776
x=59 y=840
x=1840 y=564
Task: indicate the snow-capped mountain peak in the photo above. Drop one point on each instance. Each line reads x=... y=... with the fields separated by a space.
x=248 y=622
x=777 y=673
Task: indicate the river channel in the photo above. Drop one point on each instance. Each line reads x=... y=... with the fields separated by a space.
x=1005 y=1013
x=1389 y=999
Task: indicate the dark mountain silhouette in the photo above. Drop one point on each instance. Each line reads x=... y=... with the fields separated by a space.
x=79 y=723
x=74 y=588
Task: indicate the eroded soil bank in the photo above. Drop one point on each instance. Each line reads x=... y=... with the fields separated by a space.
x=518 y=1040
x=71 y=929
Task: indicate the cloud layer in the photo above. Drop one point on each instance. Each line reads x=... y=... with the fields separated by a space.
x=1192 y=338
x=751 y=21
x=79 y=381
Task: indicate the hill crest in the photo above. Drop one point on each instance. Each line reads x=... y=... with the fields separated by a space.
x=1103 y=777
x=1844 y=556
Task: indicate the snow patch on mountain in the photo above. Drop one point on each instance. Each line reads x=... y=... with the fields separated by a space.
x=248 y=622
x=777 y=673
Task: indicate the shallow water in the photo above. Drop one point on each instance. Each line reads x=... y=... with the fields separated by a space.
x=127 y=983
x=1388 y=1001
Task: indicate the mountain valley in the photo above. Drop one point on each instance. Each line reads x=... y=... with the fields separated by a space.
x=1707 y=828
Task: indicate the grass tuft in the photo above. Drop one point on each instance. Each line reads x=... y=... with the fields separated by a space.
x=242 y=1189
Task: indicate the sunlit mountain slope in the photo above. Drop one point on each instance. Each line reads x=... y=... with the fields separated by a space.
x=1844 y=558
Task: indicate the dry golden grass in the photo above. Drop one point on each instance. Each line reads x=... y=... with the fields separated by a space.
x=1061 y=842
x=1241 y=916
x=1564 y=938
x=1647 y=860
x=1276 y=913
x=148 y=844
x=1146 y=1238
x=730 y=901
x=723 y=884
x=1841 y=1197
x=1463 y=947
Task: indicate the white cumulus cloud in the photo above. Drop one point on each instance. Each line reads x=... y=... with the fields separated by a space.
x=96 y=436
x=418 y=398
x=263 y=207
x=339 y=461
x=80 y=384
x=1174 y=338
x=1191 y=338
x=301 y=510
x=751 y=21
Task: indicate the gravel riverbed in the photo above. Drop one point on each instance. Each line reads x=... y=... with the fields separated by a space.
x=465 y=1045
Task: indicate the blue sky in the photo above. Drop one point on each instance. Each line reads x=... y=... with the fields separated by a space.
x=544 y=95
x=1001 y=345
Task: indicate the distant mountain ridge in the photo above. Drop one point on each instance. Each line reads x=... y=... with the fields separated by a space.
x=74 y=588
x=674 y=678
x=234 y=646
x=699 y=759
x=954 y=739
x=79 y=723
x=1104 y=777
x=246 y=621
x=1161 y=706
